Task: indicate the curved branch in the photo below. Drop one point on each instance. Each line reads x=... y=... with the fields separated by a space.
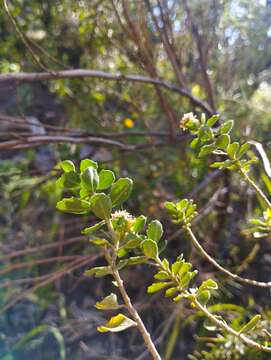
x=31 y=141
x=224 y=326
x=25 y=142
x=255 y=187
x=219 y=322
x=81 y=73
x=221 y=268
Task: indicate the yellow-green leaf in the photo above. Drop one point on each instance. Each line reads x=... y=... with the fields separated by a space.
x=117 y=323
x=110 y=302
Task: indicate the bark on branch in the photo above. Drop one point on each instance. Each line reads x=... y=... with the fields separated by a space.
x=81 y=73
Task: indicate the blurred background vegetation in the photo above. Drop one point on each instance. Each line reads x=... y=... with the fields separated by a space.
x=206 y=56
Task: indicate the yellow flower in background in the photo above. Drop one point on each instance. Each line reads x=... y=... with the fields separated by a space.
x=128 y=123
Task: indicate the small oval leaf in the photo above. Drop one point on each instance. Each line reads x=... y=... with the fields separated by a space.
x=84 y=164
x=93 y=228
x=153 y=288
x=117 y=323
x=139 y=223
x=101 y=205
x=90 y=179
x=120 y=191
x=107 y=178
x=67 y=165
x=150 y=248
x=155 y=230
x=110 y=302
x=73 y=205
x=226 y=127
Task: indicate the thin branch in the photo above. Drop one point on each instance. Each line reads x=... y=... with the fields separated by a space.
x=39 y=140
x=81 y=73
x=221 y=268
x=202 y=60
x=131 y=309
x=224 y=326
x=73 y=266
x=214 y=319
x=256 y=188
x=32 y=263
x=23 y=37
x=46 y=247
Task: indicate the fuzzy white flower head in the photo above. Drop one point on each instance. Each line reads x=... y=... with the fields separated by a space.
x=189 y=121
x=122 y=214
x=122 y=221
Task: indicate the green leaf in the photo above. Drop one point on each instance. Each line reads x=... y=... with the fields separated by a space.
x=222 y=164
x=176 y=266
x=194 y=143
x=212 y=120
x=133 y=241
x=186 y=278
x=155 y=230
x=122 y=252
x=98 y=271
x=171 y=292
x=91 y=229
x=182 y=204
x=101 y=205
x=226 y=127
x=250 y=325
x=153 y=288
x=150 y=248
x=161 y=275
x=171 y=207
x=117 y=323
x=243 y=149
x=204 y=297
x=100 y=242
x=69 y=180
x=134 y=260
x=107 y=178
x=205 y=133
x=208 y=285
x=120 y=191
x=232 y=150
x=165 y=264
x=184 y=268
x=90 y=179
x=223 y=141
x=257 y=222
x=206 y=150
x=139 y=223
x=67 y=165
x=110 y=302
x=178 y=298
x=73 y=205
x=84 y=164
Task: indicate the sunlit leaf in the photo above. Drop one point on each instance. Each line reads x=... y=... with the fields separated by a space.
x=107 y=178
x=73 y=205
x=117 y=323
x=110 y=302
x=120 y=191
x=155 y=230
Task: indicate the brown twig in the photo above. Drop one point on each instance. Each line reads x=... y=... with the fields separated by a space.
x=81 y=73
x=73 y=266
x=220 y=267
